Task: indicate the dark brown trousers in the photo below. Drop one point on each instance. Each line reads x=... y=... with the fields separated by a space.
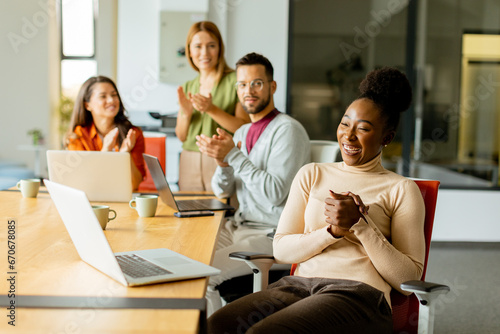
x=306 y=305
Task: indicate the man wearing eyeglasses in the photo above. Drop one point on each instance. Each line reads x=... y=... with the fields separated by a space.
x=258 y=164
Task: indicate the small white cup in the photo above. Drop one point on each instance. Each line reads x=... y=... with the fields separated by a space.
x=29 y=187
x=102 y=214
x=145 y=205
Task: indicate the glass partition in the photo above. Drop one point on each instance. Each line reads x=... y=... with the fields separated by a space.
x=462 y=101
x=335 y=43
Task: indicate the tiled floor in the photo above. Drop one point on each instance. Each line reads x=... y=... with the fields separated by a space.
x=472 y=270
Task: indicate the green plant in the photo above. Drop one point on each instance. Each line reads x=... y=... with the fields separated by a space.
x=65 y=110
x=37 y=136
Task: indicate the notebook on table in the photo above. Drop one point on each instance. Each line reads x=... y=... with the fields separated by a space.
x=131 y=268
x=103 y=176
x=168 y=198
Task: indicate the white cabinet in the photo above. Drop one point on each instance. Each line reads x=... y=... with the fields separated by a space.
x=174 y=27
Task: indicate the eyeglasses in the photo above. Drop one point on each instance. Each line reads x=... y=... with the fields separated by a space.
x=256 y=85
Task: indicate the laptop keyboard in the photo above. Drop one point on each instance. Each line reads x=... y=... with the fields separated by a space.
x=201 y=204
x=136 y=267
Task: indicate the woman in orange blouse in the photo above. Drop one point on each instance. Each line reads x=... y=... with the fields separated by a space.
x=98 y=123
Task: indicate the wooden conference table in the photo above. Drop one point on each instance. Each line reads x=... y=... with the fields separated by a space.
x=47 y=264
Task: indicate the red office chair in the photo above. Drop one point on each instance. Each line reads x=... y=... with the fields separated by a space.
x=405 y=309
x=154 y=145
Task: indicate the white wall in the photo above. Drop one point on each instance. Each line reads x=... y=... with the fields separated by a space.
x=29 y=72
x=257 y=26
x=467 y=215
x=106 y=44
x=138 y=62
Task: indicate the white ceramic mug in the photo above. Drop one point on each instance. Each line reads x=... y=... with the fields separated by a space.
x=29 y=187
x=145 y=205
x=102 y=214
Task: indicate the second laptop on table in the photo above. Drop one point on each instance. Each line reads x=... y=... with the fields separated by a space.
x=103 y=176
x=168 y=198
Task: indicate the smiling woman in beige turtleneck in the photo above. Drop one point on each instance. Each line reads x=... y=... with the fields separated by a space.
x=383 y=251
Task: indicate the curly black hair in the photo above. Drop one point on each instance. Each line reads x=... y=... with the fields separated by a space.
x=391 y=92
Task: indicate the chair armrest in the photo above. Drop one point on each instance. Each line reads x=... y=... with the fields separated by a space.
x=260 y=264
x=249 y=256
x=427 y=293
x=424 y=287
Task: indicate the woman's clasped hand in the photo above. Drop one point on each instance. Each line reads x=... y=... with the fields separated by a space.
x=342 y=210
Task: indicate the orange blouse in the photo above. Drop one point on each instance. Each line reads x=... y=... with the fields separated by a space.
x=87 y=139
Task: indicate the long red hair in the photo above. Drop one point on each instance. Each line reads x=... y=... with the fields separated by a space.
x=211 y=28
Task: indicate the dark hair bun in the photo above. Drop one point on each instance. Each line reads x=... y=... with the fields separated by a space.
x=387 y=87
x=390 y=90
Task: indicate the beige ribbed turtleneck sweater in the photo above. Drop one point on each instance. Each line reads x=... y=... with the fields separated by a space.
x=385 y=252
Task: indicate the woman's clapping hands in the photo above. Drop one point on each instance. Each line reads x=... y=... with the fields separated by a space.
x=110 y=141
x=342 y=210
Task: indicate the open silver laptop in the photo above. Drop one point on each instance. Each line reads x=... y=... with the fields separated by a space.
x=103 y=176
x=129 y=268
x=168 y=198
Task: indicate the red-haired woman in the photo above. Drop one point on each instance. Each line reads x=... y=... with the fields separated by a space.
x=206 y=102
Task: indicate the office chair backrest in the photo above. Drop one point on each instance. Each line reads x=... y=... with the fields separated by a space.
x=405 y=308
x=429 y=190
x=324 y=151
x=154 y=145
